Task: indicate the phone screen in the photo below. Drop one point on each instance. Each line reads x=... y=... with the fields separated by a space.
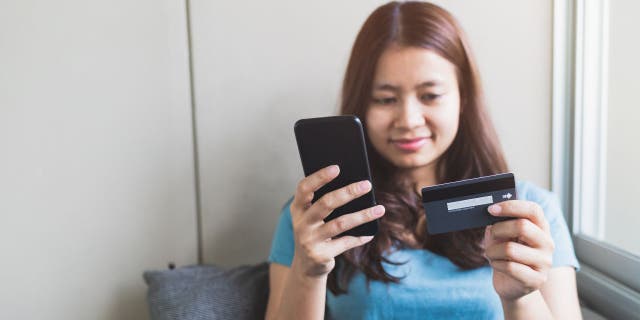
x=337 y=140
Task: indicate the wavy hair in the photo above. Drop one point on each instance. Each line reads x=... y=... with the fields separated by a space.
x=475 y=150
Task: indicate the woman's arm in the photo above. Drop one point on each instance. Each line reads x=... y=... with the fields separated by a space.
x=531 y=306
x=556 y=299
x=277 y=275
x=304 y=298
x=560 y=293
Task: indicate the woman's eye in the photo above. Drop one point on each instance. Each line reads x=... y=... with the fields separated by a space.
x=430 y=96
x=385 y=101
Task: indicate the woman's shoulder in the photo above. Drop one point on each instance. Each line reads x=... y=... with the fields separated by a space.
x=282 y=246
x=563 y=254
x=285 y=212
x=530 y=191
x=284 y=220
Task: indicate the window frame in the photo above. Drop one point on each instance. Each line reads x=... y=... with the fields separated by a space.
x=609 y=281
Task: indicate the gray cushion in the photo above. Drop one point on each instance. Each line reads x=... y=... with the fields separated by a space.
x=208 y=292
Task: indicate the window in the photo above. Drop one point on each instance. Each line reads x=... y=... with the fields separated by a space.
x=596 y=147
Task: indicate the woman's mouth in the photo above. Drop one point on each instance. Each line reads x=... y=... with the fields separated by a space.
x=410 y=145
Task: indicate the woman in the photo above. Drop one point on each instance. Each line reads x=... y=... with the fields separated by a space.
x=413 y=83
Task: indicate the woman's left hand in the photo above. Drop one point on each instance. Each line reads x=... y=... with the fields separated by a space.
x=520 y=250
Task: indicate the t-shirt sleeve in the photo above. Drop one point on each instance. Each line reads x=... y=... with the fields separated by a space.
x=564 y=254
x=282 y=244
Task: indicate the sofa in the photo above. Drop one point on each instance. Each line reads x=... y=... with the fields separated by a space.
x=207 y=292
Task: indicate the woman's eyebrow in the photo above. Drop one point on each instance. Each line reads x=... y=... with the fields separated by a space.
x=386 y=86
x=427 y=84
x=390 y=87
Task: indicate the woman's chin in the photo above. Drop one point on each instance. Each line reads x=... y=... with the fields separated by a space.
x=412 y=162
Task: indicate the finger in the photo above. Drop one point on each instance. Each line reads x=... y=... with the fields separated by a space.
x=531 y=279
x=523 y=230
x=313 y=182
x=489 y=240
x=520 y=209
x=516 y=252
x=349 y=221
x=337 y=198
x=337 y=246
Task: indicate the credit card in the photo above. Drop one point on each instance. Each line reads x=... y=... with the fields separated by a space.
x=463 y=204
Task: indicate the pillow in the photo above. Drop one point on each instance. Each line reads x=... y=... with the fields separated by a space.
x=208 y=292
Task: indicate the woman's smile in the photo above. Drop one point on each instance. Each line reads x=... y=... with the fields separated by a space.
x=410 y=145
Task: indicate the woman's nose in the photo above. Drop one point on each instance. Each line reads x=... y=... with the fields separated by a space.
x=410 y=114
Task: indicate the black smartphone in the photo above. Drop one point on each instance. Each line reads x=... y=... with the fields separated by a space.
x=337 y=140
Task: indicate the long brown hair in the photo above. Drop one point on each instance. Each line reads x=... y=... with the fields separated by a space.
x=475 y=150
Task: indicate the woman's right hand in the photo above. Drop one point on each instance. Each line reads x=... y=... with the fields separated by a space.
x=315 y=248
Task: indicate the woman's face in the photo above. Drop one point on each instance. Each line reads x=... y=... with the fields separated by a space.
x=414 y=112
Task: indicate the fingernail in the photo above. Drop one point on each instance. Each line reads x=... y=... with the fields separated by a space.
x=333 y=170
x=366 y=239
x=494 y=209
x=378 y=211
x=364 y=185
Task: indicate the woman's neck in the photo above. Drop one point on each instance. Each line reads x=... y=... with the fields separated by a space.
x=424 y=177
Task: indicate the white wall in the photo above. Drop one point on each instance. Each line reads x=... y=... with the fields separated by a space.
x=96 y=159
x=623 y=133
x=260 y=65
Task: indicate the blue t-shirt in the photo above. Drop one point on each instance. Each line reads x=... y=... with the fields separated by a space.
x=432 y=287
